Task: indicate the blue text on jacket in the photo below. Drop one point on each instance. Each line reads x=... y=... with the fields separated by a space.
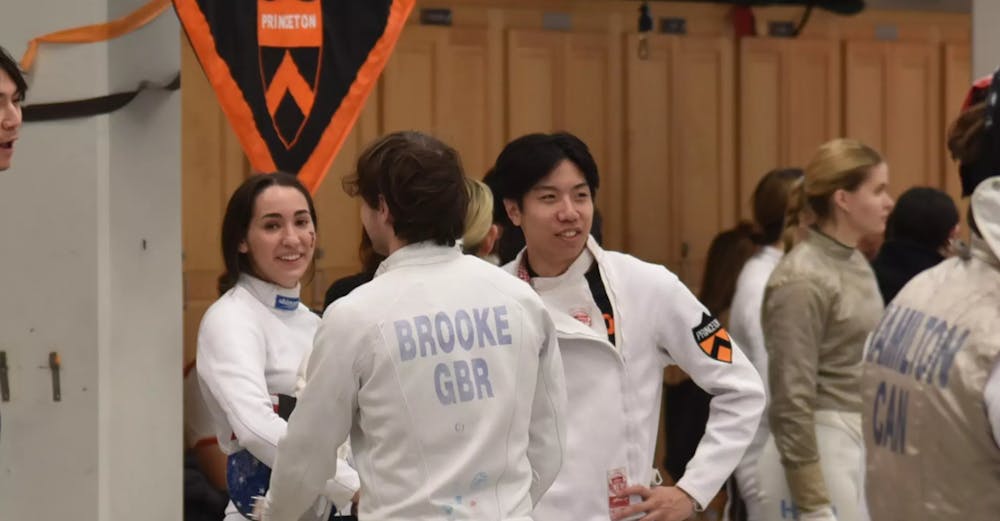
x=459 y=380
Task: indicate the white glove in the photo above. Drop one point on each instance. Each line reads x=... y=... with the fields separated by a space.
x=823 y=514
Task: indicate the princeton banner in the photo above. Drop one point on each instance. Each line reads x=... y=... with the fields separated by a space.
x=293 y=75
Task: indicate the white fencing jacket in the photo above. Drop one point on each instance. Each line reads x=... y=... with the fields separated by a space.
x=251 y=343
x=614 y=391
x=446 y=373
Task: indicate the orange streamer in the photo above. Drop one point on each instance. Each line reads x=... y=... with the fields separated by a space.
x=97 y=32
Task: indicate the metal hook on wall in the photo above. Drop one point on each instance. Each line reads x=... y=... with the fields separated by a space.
x=645 y=27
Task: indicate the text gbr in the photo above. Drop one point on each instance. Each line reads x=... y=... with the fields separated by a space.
x=459 y=379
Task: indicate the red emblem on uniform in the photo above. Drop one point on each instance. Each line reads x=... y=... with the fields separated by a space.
x=581 y=315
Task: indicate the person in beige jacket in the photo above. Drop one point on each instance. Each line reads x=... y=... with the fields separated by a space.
x=820 y=304
x=931 y=379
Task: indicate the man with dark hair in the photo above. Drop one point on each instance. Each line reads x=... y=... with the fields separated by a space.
x=12 y=91
x=620 y=322
x=444 y=370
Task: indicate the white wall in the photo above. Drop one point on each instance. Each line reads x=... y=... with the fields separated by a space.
x=75 y=207
x=985 y=37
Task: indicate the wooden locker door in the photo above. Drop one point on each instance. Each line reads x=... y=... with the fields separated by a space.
x=703 y=166
x=865 y=80
x=590 y=101
x=957 y=80
x=212 y=166
x=760 y=105
x=465 y=114
x=811 y=97
x=534 y=77
x=408 y=82
x=650 y=224
x=915 y=138
x=893 y=104
x=437 y=82
x=789 y=105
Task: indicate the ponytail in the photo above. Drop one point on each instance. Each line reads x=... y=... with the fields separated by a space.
x=797 y=209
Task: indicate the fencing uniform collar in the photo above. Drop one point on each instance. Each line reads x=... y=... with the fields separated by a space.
x=829 y=245
x=272 y=295
x=420 y=253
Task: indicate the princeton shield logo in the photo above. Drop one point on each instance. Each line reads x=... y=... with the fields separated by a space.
x=713 y=339
x=290 y=48
x=293 y=75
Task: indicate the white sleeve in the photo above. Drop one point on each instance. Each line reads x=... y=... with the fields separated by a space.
x=991 y=394
x=737 y=393
x=231 y=360
x=547 y=432
x=745 y=317
x=324 y=414
x=340 y=489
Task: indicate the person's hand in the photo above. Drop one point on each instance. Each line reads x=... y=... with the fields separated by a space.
x=823 y=514
x=658 y=504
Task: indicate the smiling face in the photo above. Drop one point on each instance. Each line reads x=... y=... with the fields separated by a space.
x=10 y=118
x=281 y=237
x=555 y=216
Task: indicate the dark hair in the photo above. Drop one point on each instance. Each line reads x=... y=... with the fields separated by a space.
x=966 y=138
x=770 y=201
x=239 y=213
x=727 y=254
x=922 y=215
x=421 y=181
x=10 y=66
x=527 y=159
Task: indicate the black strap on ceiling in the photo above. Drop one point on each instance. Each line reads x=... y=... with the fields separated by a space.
x=85 y=108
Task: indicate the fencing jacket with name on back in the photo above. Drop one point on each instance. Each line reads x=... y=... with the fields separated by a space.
x=614 y=390
x=929 y=386
x=446 y=373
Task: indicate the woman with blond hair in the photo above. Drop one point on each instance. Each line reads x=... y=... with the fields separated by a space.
x=820 y=303
x=480 y=233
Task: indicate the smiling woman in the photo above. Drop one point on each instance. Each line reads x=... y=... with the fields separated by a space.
x=253 y=340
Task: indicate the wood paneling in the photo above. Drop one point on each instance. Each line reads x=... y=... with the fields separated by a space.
x=439 y=81
x=893 y=103
x=680 y=191
x=789 y=104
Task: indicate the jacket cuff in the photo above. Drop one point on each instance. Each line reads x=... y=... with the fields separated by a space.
x=341 y=489
x=807 y=486
x=700 y=498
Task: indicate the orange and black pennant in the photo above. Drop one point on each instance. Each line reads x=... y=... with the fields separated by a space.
x=713 y=339
x=293 y=75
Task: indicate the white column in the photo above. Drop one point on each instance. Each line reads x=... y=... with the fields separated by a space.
x=82 y=198
x=985 y=37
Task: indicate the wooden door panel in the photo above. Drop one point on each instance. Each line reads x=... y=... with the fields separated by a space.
x=760 y=106
x=812 y=98
x=913 y=140
x=534 y=102
x=650 y=232
x=865 y=103
x=704 y=169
